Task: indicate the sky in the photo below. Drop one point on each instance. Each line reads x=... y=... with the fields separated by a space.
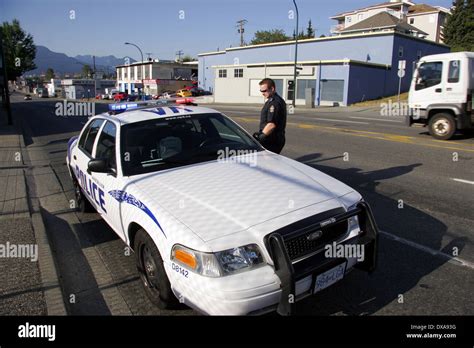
x=163 y=27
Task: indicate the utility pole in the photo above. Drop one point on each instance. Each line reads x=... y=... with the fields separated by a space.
x=241 y=30
x=296 y=56
x=179 y=54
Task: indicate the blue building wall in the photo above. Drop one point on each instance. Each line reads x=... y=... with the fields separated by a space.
x=367 y=83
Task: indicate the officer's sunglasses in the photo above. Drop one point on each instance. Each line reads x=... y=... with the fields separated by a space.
x=264 y=91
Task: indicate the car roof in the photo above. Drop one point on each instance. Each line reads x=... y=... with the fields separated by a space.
x=157 y=112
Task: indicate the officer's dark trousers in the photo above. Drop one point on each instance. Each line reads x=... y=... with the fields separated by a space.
x=274 y=147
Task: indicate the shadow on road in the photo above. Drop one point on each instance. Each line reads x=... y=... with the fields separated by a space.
x=400 y=267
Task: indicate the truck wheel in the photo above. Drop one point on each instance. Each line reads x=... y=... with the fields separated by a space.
x=82 y=204
x=152 y=272
x=442 y=126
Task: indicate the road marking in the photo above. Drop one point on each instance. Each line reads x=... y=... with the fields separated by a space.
x=373 y=135
x=337 y=120
x=374 y=119
x=463 y=181
x=451 y=259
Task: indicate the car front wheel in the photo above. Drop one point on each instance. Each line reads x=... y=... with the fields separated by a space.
x=442 y=126
x=152 y=272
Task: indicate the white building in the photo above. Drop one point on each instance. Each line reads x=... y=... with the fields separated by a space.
x=154 y=76
x=426 y=18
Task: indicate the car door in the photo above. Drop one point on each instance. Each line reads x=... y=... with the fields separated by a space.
x=427 y=85
x=106 y=149
x=81 y=156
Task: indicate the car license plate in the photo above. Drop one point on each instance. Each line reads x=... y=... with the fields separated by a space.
x=330 y=277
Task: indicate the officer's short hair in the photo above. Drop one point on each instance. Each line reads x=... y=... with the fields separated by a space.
x=269 y=82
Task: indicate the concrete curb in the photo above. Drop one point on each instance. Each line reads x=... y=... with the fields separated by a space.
x=49 y=275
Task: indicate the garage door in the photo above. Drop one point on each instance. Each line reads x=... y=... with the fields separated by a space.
x=332 y=90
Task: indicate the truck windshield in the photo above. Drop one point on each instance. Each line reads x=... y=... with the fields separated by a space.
x=176 y=141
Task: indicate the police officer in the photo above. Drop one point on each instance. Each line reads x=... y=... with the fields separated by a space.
x=272 y=118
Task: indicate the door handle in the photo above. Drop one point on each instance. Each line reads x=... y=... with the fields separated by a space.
x=449 y=89
x=438 y=90
x=75 y=158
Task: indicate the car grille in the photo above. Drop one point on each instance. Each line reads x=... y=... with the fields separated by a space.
x=300 y=246
x=295 y=236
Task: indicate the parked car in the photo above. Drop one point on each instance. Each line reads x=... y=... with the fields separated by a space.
x=198 y=91
x=227 y=252
x=119 y=96
x=27 y=97
x=184 y=93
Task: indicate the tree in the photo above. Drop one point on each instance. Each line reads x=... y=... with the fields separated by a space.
x=20 y=50
x=86 y=71
x=310 y=31
x=49 y=74
x=269 y=36
x=459 y=29
x=188 y=58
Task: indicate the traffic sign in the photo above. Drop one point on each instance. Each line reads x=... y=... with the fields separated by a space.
x=401 y=73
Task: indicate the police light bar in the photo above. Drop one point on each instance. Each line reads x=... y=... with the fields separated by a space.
x=117 y=108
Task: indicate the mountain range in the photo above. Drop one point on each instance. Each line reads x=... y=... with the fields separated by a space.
x=63 y=64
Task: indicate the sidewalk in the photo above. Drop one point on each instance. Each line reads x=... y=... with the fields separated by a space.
x=27 y=282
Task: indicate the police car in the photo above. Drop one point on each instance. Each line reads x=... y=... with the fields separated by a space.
x=216 y=221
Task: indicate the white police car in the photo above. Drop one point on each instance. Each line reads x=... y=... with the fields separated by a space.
x=216 y=221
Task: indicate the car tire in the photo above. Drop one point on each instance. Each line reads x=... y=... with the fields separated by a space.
x=82 y=203
x=152 y=272
x=442 y=126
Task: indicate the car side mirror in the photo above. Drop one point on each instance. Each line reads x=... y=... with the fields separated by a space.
x=98 y=166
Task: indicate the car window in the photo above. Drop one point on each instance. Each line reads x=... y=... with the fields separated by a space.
x=106 y=144
x=181 y=140
x=86 y=142
x=429 y=75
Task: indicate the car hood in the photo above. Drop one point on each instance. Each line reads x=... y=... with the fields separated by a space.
x=215 y=198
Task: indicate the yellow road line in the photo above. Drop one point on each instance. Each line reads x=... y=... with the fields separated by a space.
x=373 y=135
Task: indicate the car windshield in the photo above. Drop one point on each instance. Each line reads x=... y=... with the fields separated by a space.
x=160 y=144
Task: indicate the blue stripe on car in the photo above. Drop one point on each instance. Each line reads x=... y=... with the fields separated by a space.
x=122 y=196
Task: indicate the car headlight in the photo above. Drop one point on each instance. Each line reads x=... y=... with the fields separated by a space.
x=236 y=259
x=353 y=220
x=217 y=264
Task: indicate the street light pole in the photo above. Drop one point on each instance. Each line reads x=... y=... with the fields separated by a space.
x=141 y=53
x=296 y=54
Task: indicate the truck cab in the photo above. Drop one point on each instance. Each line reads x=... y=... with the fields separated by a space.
x=441 y=93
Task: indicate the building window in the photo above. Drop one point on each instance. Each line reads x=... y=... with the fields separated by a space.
x=400 y=52
x=125 y=75
x=348 y=19
x=301 y=86
x=238 y=72
x=360 y=16
x=412 y=20
x=139 y=72
x=222 y=73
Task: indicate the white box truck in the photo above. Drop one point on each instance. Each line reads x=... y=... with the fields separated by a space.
x=441 y=93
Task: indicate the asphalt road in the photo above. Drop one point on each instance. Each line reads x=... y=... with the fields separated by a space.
x=421 y=191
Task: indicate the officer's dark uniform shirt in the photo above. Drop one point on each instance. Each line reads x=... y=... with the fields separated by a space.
x=274 y=111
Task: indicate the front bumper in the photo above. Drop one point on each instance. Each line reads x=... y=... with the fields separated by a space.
x=268 y=288
x=290 y=273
